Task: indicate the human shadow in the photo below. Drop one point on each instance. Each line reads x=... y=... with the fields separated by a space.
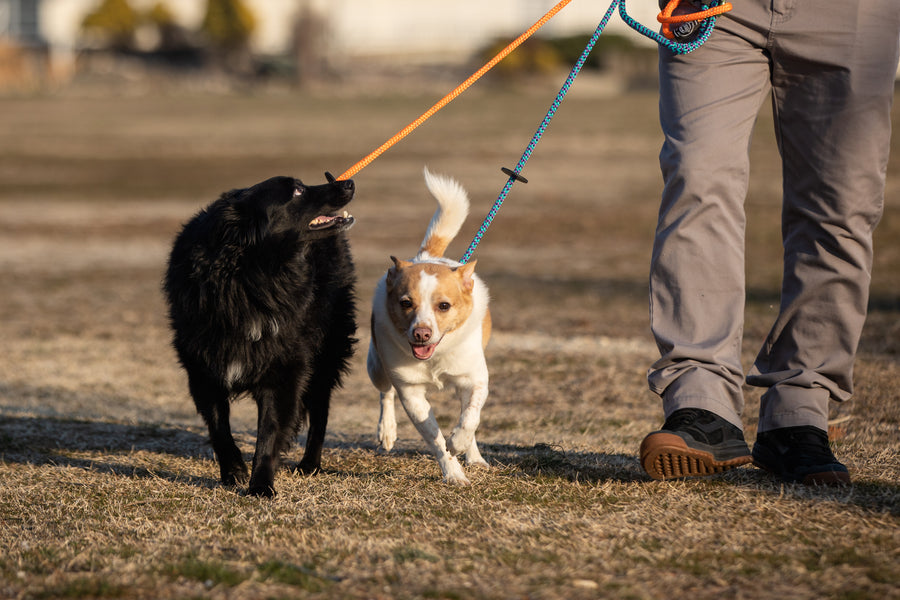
x=553 y=461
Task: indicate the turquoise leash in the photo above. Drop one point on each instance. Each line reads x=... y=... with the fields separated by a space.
x=703 y=34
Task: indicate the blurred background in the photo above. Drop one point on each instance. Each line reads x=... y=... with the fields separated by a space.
x=119 y=119
x=300 y=42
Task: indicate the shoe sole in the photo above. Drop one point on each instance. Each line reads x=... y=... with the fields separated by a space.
x=667 y=456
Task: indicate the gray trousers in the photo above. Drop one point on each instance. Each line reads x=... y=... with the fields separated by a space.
x=829 y=67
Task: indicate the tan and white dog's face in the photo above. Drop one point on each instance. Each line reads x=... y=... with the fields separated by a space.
x=426 y=301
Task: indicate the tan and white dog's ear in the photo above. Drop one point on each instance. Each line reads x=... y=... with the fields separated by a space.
x=392 y=272
x=466 y=275
x=398 y=265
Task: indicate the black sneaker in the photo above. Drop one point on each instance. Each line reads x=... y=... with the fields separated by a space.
x=799 y=455
x=693 y=442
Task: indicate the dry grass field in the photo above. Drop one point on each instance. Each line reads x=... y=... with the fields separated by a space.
x=108 y=488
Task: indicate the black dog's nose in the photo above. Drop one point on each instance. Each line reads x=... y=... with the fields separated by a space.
x=347 y=187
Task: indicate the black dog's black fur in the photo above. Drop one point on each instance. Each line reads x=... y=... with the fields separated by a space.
x=262 y=301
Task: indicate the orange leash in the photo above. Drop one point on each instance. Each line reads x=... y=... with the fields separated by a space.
x=666 y=18
x=456 y=92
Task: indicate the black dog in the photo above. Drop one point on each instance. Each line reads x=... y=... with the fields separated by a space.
x=260 y=287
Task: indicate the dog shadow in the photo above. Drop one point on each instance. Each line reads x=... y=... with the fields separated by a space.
x=540 y=459
x=59 y=442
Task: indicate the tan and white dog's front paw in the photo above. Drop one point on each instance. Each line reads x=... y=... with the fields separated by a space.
x=474 y=458
x=386 y=434
x=460 y=441
x=453 y=472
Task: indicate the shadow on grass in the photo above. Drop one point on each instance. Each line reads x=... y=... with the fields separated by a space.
x=552 y=461
x=53 y=441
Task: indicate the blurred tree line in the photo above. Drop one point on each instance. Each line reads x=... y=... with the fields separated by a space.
x=224 y=34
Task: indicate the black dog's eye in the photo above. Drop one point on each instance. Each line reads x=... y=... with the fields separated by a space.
x=444 y=306
x=298 y=191
x=406 y=304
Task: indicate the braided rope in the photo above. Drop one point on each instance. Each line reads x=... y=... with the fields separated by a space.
x=706 y=27
x=529 y=150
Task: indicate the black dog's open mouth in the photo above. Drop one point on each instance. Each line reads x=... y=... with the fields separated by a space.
x=325 y=221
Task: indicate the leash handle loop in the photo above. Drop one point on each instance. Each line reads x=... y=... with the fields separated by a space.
x=667 y=18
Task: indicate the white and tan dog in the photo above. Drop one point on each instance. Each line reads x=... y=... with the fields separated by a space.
x=430 y=325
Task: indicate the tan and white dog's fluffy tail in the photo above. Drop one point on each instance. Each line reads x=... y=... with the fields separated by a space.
x=448 y=219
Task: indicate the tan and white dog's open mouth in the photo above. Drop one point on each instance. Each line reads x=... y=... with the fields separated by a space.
x=423 y=352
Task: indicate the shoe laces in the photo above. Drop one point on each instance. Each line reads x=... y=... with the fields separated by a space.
x=683 y=418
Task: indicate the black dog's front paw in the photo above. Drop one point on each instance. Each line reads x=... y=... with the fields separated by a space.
x=265 y=491
x=262 y=487
x=309 y=468
x=234 y=474
x=262 y=481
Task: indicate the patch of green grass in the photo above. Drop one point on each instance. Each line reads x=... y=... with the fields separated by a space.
x=83 y=587
x=205 y=571
x=444 y=594
x=406 y=554
x=302 y=577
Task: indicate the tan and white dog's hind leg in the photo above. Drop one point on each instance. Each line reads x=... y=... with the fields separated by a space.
x=387 y=419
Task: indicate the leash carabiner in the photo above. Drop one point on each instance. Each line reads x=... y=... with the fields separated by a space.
x=668 y=19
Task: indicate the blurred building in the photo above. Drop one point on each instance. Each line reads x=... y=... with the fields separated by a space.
x=400 y=28
x=341 y=30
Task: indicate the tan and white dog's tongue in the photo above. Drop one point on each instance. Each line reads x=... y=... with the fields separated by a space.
x=423 y=352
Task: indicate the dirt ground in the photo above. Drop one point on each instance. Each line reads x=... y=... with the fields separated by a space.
x=94 y=186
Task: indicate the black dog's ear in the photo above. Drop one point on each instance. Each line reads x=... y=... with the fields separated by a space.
x=256 y=226
x=246 y=223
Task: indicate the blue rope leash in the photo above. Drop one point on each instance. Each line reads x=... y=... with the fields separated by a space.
x=515 y=174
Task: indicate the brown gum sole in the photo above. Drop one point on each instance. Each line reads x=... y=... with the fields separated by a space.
x=667 y=456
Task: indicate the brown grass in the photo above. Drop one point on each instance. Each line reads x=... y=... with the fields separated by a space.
x=108 y=488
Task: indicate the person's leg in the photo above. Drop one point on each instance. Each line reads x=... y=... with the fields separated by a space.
x=833 y=77
x=709 y=101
